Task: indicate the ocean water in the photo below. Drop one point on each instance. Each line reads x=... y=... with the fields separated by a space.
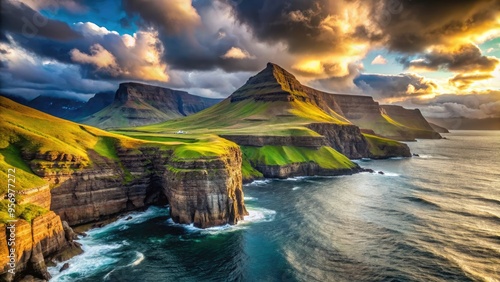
x=430 y=218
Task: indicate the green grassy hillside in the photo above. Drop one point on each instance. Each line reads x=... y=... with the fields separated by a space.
x=272 y=103
x=139 y=104
x=33 y=134
x=325 y=157
x=33 y=139
x=248 y=117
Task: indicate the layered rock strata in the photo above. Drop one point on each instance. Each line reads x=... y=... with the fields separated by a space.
x=302 y=169
x=315 y=142
x=347 y=139
x=206 y=192
x=44 y=237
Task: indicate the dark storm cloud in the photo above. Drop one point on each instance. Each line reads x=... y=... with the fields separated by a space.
x=189 y=44
x=172 y=17
x=423 y=23
x=129 y=63
x=297 y=23
x=205 y=53
x=19 y=18
x=467 y=58
x=392 y=86
x=3 y=37
x=401 y=25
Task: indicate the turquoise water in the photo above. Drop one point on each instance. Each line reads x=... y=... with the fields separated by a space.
x=430 y=218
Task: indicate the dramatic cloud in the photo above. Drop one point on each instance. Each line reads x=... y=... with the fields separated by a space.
x=466 y=58
x=456 y=106
x=19 y=18
x=417 y=25
x=323 y=33
x=182 y=43
x=395 y=86
x=236 y=53
x=171 y=16
x=464 y=81
x=340 y=84
x=99 y=57
x=29 y=76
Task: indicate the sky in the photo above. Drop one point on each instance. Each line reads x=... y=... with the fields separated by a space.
x=440 y=56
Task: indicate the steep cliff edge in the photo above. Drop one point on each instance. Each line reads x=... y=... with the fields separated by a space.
x=138 y=104
x=84 y=174
x=350 y=141
x=439 y=129
x=390 y=121
x=203 y=191
x=44 y=237
x=412 y=119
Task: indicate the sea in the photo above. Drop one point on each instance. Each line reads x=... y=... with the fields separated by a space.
x=432 y=217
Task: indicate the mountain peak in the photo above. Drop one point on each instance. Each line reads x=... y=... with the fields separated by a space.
x=279 y=73
x=273 y=83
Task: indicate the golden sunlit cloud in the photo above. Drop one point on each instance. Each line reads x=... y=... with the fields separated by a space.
x=237 y=53
x=379 y=60
x=99 y=57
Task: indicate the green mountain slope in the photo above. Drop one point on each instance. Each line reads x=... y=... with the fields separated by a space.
x=139 y=104
x=271 y=118
x=31 y=139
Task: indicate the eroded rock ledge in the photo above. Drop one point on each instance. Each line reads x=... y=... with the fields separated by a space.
x=206 y=192
x=46 y=237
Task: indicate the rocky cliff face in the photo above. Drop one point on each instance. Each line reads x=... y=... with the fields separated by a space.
x=413 y=119
x=302 y=169
x=260 y=141
x=347 y=139
x=45 y=237
x=138 y=104
x=353 y=107
x=205 y=192
x=364 y=112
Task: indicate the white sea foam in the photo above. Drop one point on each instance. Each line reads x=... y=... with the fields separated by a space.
x=94 y=257
x=139 y=257
x=250 y=199
x=259 y=215
x=99 y=256
x=259 y=182
x=425 y=156
x=297 y=178
x=295 y=188
x=256 y=215
x=130 y=219
x=391 y=174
